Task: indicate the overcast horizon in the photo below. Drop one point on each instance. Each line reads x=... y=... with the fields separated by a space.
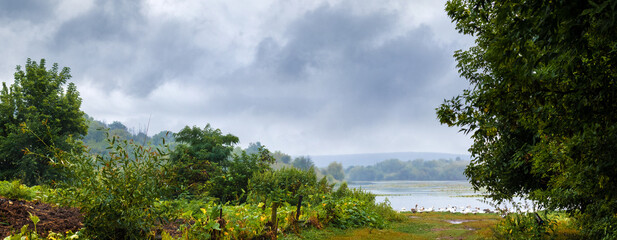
x=307 y=77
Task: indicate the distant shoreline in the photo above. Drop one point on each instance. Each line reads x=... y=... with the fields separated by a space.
x=367 y=159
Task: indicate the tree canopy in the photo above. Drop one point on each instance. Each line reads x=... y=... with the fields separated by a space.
x=542 y=104
x=303 y=163
x=37 y=100
x=416 y=170
x=201 y=155
x=204 y=145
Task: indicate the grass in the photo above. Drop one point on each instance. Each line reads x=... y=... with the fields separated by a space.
x=414 y=226
x=439 y=225
x=435 y=225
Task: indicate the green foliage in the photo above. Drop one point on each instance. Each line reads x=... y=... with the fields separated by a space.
x=525 y=226
x=384 y=210
x=15 y=190
x=117 y=192
x=230 y=184
x=202 y=154
x=281 y=157
x=38 y=100
x=24 y=233
x=205 y=225
x=541 y=108
x=394 y=169
x=286 y=185
x=349 y=212
x=336 y=171
x=204 y=145
x=253 y=148
x=96 y=140
x=303 y=163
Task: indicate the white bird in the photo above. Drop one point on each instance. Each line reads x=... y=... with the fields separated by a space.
x=467 y=210
x=475 y=210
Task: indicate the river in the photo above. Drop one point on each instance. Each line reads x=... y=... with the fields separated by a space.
x=427 y=194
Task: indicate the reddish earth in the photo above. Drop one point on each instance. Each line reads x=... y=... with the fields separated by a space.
x=15 y=213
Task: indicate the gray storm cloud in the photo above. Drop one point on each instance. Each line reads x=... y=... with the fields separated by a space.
x=321 y=78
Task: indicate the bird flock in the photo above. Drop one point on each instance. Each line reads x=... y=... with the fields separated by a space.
x=468 y=210
x=450 y=209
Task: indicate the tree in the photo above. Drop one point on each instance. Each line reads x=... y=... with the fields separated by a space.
x=207 y=144
x=336 y=171
x=303 y=163
x=162 y=138
x=38 y=101
x=281 y=157
x=201 y=153
x=117 y=125
x=231 y=185
x=542 y=104
x=253 y=148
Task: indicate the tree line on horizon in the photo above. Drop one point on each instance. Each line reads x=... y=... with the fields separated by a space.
x=417 y=170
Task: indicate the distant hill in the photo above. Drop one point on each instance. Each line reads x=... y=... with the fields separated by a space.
x=367 y=159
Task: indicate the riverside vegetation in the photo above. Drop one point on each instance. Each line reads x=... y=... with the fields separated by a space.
x=198 y=219
x=541 y=112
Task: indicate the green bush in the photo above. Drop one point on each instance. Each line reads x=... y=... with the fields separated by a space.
x=286 y=185
x=201 y=155
x=344 y=191
x=206 y=225
x=118 y=192
x=349 y=212
x=525 y=226
x=599 y=221
x=230 y=184
x=16 y=190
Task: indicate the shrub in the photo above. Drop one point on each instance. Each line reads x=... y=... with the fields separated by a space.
x=206 y=225
x=599 y=221
x=525 y=226
x=230 y=184
x=349 y=212
x=117 y=192
x=286 y=185
x=16 y=190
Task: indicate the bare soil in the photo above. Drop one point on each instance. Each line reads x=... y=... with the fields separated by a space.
x=15 y=213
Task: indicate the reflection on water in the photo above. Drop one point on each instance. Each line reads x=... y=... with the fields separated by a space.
x=427 y=194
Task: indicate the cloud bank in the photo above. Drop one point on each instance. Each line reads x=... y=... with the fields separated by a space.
x=308 y=77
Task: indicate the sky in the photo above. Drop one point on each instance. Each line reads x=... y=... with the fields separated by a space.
x=305 y=77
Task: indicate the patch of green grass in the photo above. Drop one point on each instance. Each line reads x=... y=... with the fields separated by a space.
x=314 y=234
x=415 y=226
x=364 y=233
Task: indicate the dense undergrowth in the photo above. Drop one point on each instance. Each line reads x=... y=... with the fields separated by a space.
x=340 y=214
x=135 y=192
x=201 y=218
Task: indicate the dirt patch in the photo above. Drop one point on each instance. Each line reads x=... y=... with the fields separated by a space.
x=15 y=214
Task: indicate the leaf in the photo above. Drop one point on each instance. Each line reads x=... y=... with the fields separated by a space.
x=34 y=218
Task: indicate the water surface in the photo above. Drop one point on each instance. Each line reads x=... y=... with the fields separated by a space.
x=427 y=194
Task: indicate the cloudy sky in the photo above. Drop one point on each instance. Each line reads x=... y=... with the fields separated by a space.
x=304 y=77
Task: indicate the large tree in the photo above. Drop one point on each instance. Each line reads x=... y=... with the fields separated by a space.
x=542 y=107
x=200 y=155
x=37 y=101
